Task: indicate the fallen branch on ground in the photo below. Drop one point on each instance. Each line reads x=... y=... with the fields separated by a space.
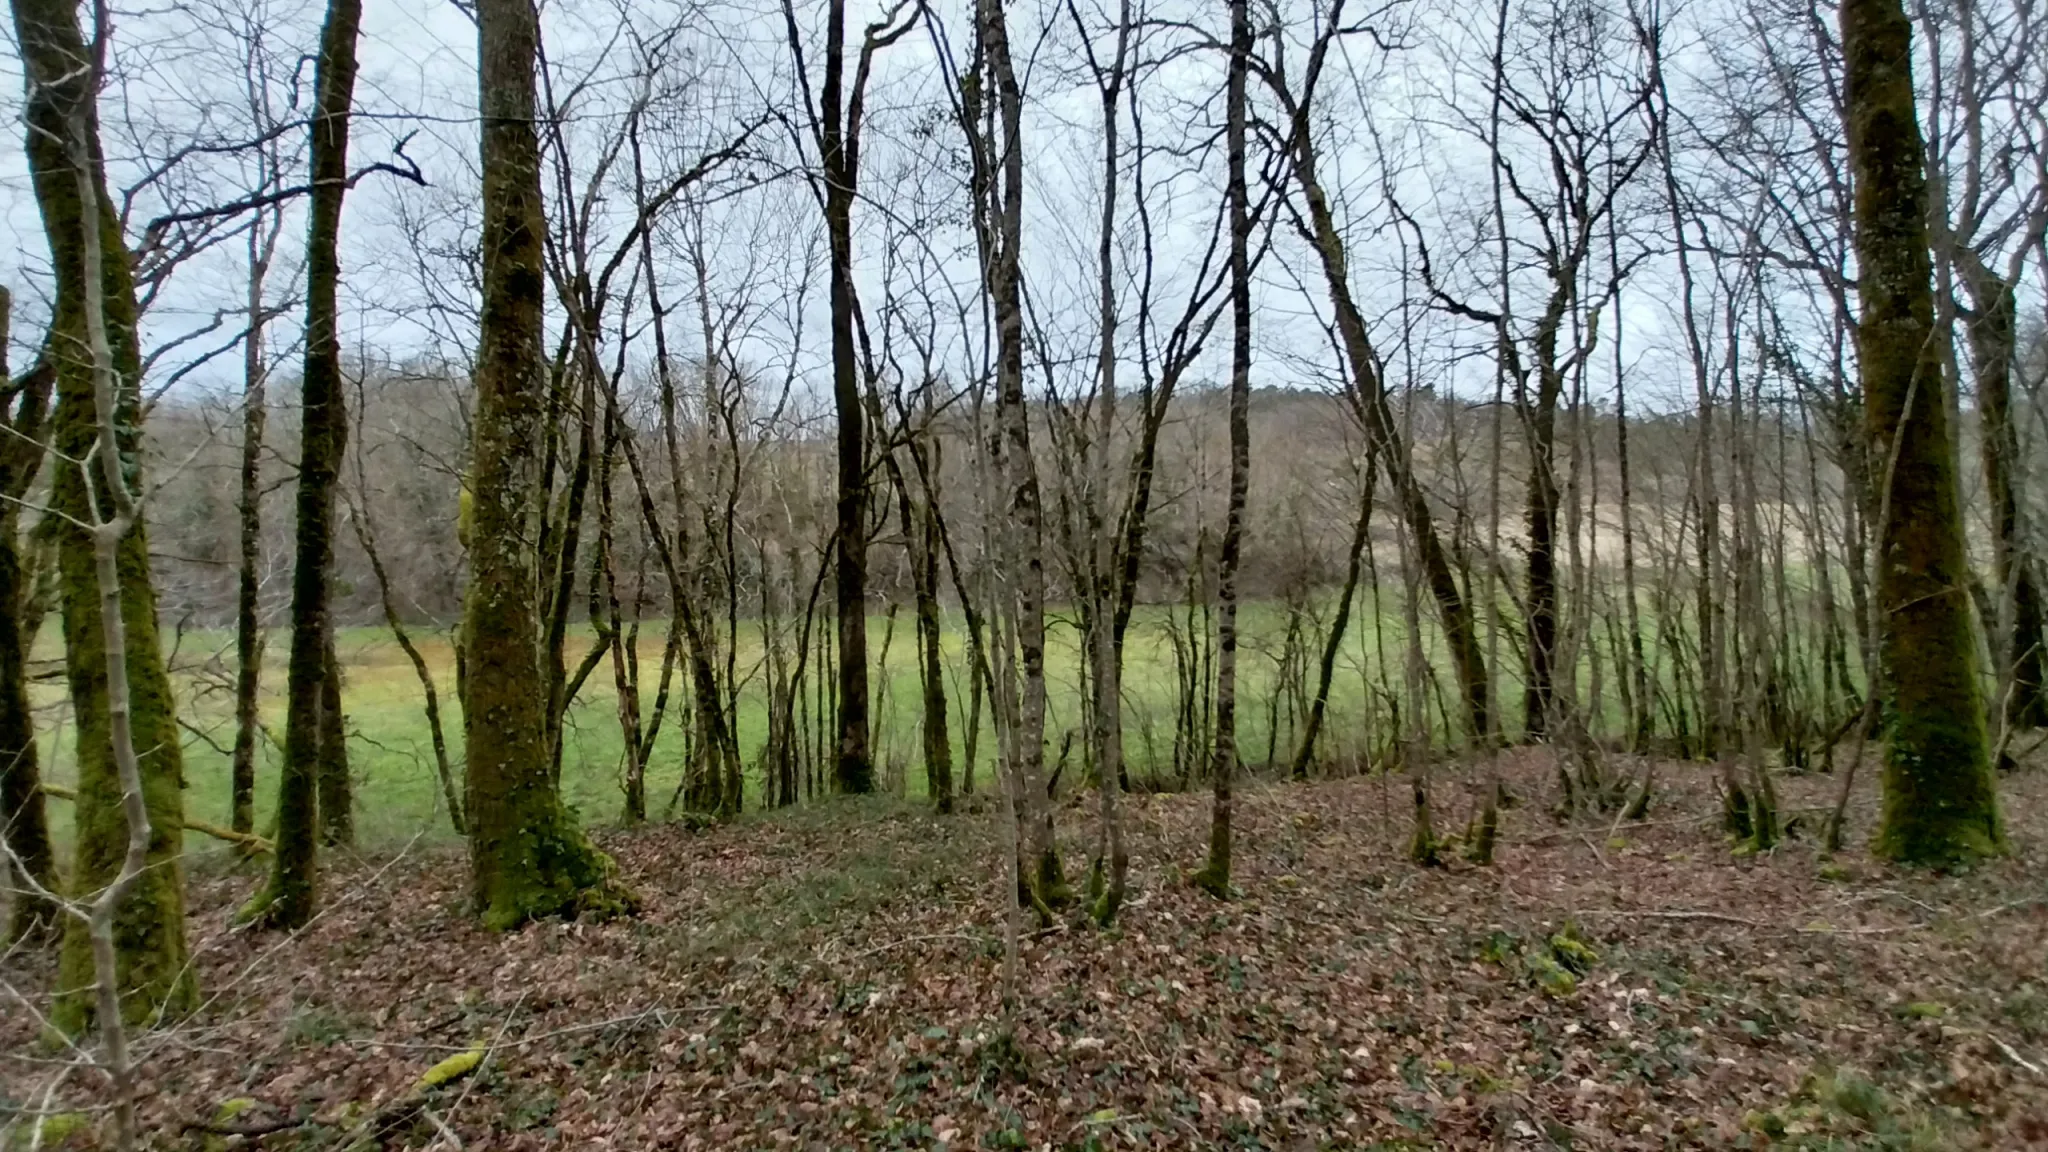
x=245 y=839
x=1725 y=918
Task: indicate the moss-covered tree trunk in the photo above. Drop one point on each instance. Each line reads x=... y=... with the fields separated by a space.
x=1214 y=876
x=24 y=822
x=155 y=978
x=24 y=825
x=289 y=899
x=528 y=859
x=1940 y=797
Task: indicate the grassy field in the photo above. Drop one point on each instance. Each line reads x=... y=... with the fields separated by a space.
x=392 y=756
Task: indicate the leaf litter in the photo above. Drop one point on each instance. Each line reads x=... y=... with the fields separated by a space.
x=829 y=978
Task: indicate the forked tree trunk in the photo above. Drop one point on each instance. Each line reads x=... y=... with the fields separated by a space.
x=921 y=533
x=1940 y=797
x=1000 y=222
x=1109 y=878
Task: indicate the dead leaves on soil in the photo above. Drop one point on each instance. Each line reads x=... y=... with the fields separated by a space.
x=828 y=980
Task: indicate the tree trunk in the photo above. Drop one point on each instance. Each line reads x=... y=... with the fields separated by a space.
x=24 y=823
x=1540 y=518
x=921 y=533
x=1637 y=675
x=1333 y=644
x=155 y=976
x=1110 y=876
x=1994 y=346
x=1459 y=631
x=337 y=790
x=1392 y=448
x=853 y=769
x=608 y=616
x=1000 y=208
x=1707 y=541
x=1214 y=877
x=248 y=587
x=291 y=896
x=528 y=858
x=430 y=696
x=1940 y=797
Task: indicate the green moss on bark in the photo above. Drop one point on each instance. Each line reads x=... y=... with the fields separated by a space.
x=1940 y=795
x=527 y=857
x=149 y=927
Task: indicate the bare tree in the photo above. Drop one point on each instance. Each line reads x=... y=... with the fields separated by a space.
x=1214 y=876
x=309 y=804
x=835 y=123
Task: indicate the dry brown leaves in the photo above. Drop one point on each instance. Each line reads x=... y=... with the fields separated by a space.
x=828 y=979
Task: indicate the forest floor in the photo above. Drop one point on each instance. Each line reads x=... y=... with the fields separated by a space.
x=829 y=978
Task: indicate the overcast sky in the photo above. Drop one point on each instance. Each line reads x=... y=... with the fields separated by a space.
x=1404 y=123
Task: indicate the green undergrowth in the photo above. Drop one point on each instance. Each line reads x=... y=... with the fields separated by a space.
x=828 y=865
x=1554 y=963
x=1841 y=1110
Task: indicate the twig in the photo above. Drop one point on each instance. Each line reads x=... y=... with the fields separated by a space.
x=2007 y=907
x=1562 y=832
x=2015 y=1057
x=1643 y=914
x=246 y=839
x=1725 y=918
x=659 y=1013
x=908 y=940
x=1917 y=903
x=1597 y=854
x=441 y=1127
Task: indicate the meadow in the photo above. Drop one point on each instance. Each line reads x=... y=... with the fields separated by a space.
x=391 y=753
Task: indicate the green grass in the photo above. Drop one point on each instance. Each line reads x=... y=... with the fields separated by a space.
x=391 y=753
x=398 y=796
